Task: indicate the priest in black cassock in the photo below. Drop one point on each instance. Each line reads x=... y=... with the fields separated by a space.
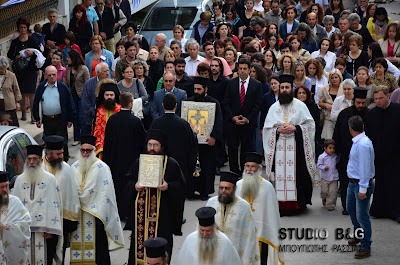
x=343 y=138
x=207 y=152
x=182 y=142
x=155 y=212
x=382 y=126
x=123 y=143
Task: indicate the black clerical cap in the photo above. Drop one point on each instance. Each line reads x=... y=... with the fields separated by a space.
x=201 y=80
x=107 y=87
x=360 y=92
x=155 y=247
x=54 y=142
x=254 y=157
x=206 y=216
x=157 y=135
x=34 y=150
x=286 y=79
x=3 y=176
x=229 y=176
x=88 y=139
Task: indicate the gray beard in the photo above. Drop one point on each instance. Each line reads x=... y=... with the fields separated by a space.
x=33 y=175
x=4 y=199
x=86 y=163
x=208 y=247
x=250 y=184
x=226 y=200
x=56 y=164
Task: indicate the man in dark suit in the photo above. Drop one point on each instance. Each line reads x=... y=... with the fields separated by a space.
x=242 y=103
x=319 y=31
x=182 y=142
x=123 y=143
x=106 y=23
x=169 y=80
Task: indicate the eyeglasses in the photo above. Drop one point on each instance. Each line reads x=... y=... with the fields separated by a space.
x=86 y=150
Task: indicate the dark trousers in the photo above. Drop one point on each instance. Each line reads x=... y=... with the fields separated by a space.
x=264 y=253
x=86 y=129
x=207 y=159
x=77 y=120
x=56 y=126
x=102 y=252
x=343 y=181
x=239 y=135
x=51 y=248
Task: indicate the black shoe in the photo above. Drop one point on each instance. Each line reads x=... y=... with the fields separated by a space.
x=345 y=212
x=204 y=198
x=183 y=220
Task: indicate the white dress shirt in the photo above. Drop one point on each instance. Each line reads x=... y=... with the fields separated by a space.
x=246 y=84
x=191 y=65
x=338 y=105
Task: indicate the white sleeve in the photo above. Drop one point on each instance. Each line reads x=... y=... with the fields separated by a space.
x=335 y=109
x=393 y=69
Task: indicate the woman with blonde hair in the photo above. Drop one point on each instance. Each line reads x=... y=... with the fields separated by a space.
x=286 y=63
x=363 y=79
x=97 y=55
x=327 y=95
x=230 y=56
x=179 y=34
x=300 y=77
x=169 y=56
x=256 y=44
x=315 y=72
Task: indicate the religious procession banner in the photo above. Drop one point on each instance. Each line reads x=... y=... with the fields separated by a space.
x=201 y=117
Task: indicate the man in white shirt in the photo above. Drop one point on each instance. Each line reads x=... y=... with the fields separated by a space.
x=193 y=60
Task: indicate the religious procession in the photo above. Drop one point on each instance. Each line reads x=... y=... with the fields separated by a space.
x=202 y=132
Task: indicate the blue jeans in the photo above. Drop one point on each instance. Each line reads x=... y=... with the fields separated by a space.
x=77 y=118
x=359 y=211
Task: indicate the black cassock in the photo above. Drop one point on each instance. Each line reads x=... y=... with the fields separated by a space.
x=123 y=143
x=171 y=206
x=382 y=126
x=343 y=140
x=182 y=145
x=207 y=154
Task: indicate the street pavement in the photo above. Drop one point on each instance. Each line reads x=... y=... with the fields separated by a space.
x=385 y=232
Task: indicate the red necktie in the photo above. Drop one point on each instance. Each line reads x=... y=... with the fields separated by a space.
x=242 y=94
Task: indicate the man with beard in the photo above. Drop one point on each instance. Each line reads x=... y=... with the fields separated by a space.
x=40 y=193
x=182 y=141
x=98 y=218
x=54 y=164
x=343 y=138
x=288 y=137
x=14 y=226
x=382 y=126
x=242 y=103
x=107 y=105
x=236 y=219
x=260 y=194
x=183 y=81
x=159 y=209
x=207 y=152
x=207 y=245
x=217 y=86
x=123 y=143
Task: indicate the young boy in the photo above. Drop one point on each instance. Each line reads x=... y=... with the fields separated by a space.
x=38 y=36
x=329 y=174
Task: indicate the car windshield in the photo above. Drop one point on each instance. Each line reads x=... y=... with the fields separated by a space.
x=165 y=18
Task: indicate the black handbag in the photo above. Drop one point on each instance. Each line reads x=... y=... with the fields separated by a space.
x=19 y=64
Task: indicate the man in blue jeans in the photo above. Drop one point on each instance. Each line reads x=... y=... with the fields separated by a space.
x=360 y=171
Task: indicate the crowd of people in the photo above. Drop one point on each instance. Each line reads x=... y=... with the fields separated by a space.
x=309 y=90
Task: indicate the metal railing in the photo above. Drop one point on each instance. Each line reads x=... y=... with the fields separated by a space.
x=33 y=10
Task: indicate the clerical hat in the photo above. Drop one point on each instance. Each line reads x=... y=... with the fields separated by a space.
x=201 y=80
x=54 y=142
x=157 y=135
x=286 y=79
x=229 y=176
x=254 y=157
x=107 y=87
x=360 y=92
x=206 y=216
x=3 y=176
x=34 y=150
x=88 y=139
x=155 y=247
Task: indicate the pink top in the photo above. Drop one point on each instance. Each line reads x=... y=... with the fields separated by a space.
x=390 y=49
x=61 y=72
x=227 y=69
